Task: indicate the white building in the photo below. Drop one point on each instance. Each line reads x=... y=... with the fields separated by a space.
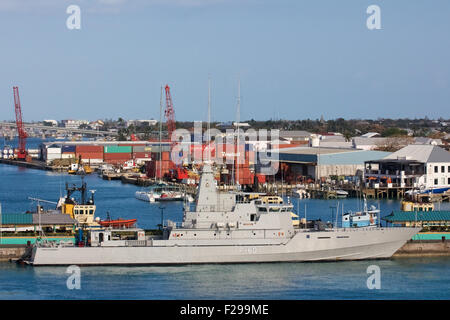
x=415 y=166
x=73 y=124
x=138 y=123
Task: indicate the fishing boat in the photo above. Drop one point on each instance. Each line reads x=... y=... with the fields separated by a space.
x=368 y=217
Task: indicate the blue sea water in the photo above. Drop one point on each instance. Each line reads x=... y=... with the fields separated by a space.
x=401 y=278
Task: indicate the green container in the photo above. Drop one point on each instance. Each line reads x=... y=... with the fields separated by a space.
x=118 y=149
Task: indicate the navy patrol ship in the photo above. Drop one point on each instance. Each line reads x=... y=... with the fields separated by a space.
x=229 y=228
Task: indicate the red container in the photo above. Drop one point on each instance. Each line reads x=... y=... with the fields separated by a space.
x=90 y=155
x=141 y=155
x=165 y=155
x=94 y=149
x=116 y=161
x=117 y=156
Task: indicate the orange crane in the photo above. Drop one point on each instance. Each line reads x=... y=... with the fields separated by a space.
x=21 y=152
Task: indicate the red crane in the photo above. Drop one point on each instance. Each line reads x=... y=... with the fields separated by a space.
x=169 y=113
x=22 y=152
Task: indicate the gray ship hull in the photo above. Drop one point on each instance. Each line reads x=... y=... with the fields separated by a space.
x=331 y=245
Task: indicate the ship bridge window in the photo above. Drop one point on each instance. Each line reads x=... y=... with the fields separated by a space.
x=283 y=209
x=91 y=211
x=274 y=209
x=262 y=209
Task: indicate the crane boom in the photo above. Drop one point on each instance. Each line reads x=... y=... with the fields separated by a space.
x=169 y=113
x=21 y=153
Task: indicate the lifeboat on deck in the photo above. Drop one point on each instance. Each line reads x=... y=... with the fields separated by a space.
x=118 y=223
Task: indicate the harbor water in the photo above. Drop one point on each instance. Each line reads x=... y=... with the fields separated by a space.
x=401 y=278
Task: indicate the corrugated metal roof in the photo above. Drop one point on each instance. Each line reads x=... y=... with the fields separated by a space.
x=48 y=218
x=422 y=152
x=17 y=218
x=351 y=158
x=401 y=216
x=33 y=219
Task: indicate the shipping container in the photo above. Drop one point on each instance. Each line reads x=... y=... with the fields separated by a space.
x=84 y=148
x=155 y=148
x=89 y=155
x=68 y=149
x=166 y=155
x=116 y=161
x=142 y=149
x=112 y=156
x=91 y=161
x=68 y=155
x=142 y=155
x=55 y=150
x=118 y=149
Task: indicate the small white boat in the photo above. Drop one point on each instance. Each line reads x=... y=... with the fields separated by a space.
x=163 y=192
x=341 y=193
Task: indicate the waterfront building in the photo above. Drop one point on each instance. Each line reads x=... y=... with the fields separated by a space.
x=139 y=123
x=302 y=163
x=73 y=124
x=414 y=166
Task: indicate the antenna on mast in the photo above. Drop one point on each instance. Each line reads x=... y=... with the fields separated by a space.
x=238 y=114
x=209 y=119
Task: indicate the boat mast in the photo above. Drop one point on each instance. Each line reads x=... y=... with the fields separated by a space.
x=238 y=115
x=160 y=131
x=209 y=120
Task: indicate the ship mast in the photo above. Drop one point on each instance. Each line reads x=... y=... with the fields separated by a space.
x=238 y=114
x=209 y=120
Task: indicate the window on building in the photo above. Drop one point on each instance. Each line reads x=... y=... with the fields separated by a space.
x=448 y=182
x=435 y=169
x=435 y=181
x=442 y=169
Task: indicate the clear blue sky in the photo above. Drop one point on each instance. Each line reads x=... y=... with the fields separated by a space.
x=296 y=59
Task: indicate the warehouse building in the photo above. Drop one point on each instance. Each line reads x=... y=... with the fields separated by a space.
x=303 y=163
